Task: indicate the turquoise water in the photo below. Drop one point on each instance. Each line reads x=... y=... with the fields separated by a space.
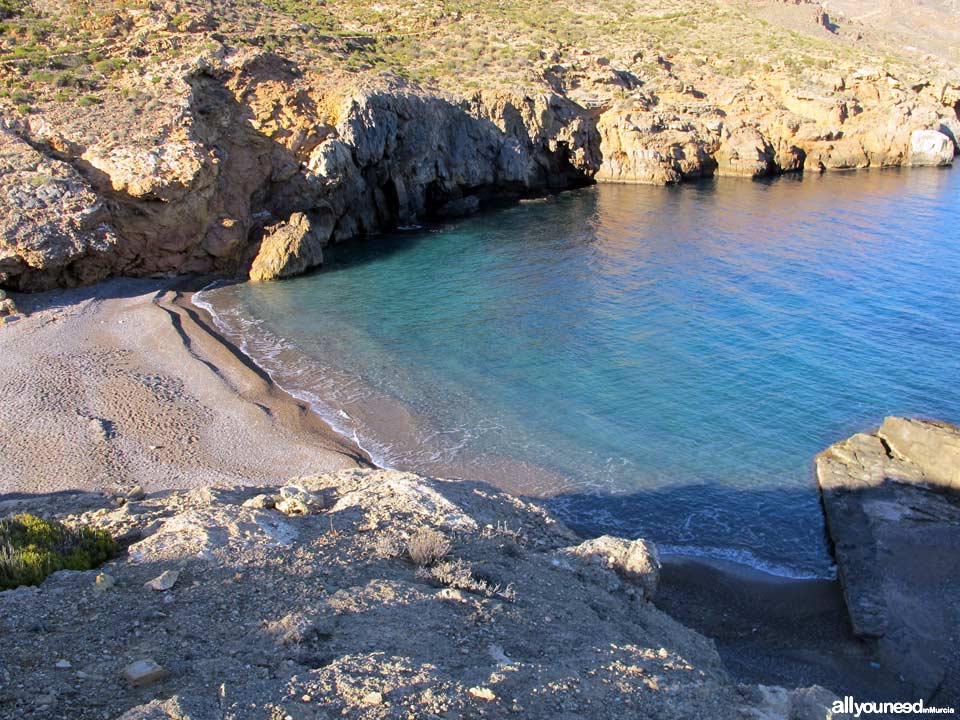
x=658 y=362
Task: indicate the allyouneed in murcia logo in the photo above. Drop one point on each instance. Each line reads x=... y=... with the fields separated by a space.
x=849 y=706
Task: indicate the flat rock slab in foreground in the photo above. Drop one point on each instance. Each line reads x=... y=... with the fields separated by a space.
x=892 y=505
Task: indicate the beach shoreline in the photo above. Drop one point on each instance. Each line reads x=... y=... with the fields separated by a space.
x=768 y=628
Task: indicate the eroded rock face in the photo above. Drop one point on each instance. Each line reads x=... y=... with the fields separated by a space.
x=893 y=513
x=254 y=146
x=245 y=139
x=54 y=228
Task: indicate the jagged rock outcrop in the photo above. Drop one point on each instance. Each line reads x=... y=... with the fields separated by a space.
x=324 y=613
x=252 y=144
x=54 y=228
x=893 y=513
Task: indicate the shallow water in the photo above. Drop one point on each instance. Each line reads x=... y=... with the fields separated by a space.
x=662 y=362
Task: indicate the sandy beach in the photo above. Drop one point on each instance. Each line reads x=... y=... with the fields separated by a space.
x=125 y=383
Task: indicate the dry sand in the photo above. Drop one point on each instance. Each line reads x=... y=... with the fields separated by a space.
x=126 y=383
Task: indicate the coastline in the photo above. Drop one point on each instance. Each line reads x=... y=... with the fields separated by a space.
x=513 y=475
x=769 y=628
x=751 y=615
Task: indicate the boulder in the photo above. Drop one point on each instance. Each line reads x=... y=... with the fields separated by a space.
x=930 y=147
x=635 y=561
x=292 y=247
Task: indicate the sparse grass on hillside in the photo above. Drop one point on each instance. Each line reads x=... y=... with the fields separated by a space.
x=32 y=548
x=454 y=45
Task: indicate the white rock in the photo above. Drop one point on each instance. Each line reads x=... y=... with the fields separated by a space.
x=929 y=147
x=165 y=581
x=63 y=665
x=144 y=672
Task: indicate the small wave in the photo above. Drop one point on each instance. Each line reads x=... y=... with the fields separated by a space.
x=746 y=558
x=330 y=415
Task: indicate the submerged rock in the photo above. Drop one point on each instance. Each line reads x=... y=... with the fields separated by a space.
x=893 y=514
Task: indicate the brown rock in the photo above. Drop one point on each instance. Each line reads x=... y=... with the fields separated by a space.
x=291 y=247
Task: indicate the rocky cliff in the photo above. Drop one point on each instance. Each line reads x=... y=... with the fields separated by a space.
x=248 y=145
x=203 y=141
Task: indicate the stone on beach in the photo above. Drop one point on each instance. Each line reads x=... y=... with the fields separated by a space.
x=292 y=247
x=144 y=672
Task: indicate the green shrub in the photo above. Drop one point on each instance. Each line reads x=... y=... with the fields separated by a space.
x=31 y=549
x=89 y=101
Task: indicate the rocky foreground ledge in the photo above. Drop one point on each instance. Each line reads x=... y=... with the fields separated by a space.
x=367 y=593
x=892 y=505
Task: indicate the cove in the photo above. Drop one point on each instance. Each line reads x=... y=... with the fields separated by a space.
x=656 y=362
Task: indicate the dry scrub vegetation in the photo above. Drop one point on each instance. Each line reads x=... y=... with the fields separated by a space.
x=78 y=52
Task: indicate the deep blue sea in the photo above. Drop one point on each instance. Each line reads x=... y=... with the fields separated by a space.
x=657 y=362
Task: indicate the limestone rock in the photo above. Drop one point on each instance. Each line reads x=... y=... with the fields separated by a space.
x=893 y=516
x=164 y=581
x=297 y=500
x=144 y=672
x=7 y=306
x=636 y=561
x=933 y=447
x=291 y=247
x=930 y=147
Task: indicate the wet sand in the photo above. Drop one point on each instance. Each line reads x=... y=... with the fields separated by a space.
x=127 y=383
x=774 y=630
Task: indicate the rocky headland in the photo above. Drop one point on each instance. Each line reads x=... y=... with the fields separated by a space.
x=241 y=138
x=893 y=513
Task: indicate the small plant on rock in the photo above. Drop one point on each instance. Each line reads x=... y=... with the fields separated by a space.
x=427 y=546
x=32 y=548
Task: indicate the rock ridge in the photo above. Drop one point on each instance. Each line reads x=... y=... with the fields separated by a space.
x=246 y=140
